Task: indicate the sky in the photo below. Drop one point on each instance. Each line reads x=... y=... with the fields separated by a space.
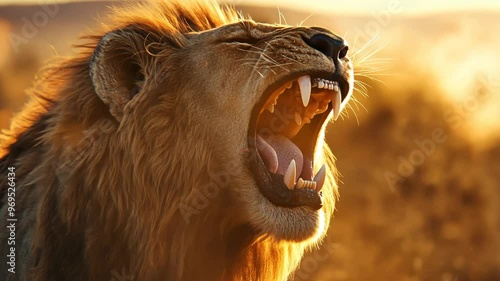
x=370 y=6
x=354 y=6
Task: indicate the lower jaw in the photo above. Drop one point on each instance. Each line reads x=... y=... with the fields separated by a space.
x=300 y=224
x=272 y=186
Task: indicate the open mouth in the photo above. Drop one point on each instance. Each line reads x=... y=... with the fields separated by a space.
x=284 y=131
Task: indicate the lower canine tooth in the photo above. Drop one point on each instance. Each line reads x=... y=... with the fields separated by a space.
x=290 y=174
x=320 y=178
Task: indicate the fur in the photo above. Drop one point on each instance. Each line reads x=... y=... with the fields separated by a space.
x=154 y=185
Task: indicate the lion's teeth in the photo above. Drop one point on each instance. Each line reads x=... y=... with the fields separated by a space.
x=305 y=184
x=270 y=108
x=298 y=118
x=305 y=88
x=321 y=84
x=320 y=178
x=300 y=184
x=290 y=175
x=336 y=105
x=336 y=88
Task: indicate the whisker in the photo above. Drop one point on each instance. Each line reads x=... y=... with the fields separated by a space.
x=370 y=54
x=371 y=77
x=280 y=15
x=354 y=112
x=360 y=104
x=304 y=20
x=365 y=46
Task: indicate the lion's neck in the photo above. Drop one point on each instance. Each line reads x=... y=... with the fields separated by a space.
x=239 y=255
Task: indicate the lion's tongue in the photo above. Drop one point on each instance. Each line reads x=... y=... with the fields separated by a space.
x=277 y=152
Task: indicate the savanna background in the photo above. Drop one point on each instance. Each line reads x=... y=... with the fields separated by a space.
x=418 y=150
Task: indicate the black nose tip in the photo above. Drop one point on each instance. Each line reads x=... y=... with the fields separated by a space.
x=329 y=46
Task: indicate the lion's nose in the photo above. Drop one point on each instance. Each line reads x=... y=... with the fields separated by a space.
x=330 y=47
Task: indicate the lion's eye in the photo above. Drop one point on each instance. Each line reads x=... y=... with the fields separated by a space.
x=248 y=41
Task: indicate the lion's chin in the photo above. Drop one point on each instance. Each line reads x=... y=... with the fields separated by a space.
x=299 y=224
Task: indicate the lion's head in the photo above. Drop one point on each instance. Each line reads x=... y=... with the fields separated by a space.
x=196 y=138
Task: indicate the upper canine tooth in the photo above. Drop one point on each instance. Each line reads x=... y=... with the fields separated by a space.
x=290 y=174
x=337 y=99
x=320 y=178
x=305 y=88
x=270 y=108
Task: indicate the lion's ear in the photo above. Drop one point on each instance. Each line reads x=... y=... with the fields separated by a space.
x=117 y=70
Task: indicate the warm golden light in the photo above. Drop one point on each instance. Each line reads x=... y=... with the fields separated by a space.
x=369 y=6
x=417 y=147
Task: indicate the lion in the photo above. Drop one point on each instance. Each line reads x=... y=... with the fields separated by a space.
x=183 y=142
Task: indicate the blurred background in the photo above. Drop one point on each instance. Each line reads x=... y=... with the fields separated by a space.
x=419 y=151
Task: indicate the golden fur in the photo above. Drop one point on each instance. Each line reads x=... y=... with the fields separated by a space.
x=155 y=184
